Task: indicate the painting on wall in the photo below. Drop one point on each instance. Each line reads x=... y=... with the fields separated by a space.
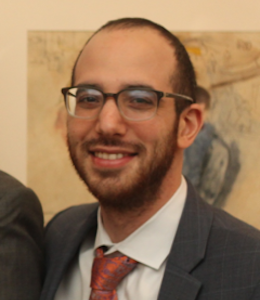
x=226 y=64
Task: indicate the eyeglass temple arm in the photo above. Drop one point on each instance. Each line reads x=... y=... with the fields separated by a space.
x=71 y=94
x=169 y=95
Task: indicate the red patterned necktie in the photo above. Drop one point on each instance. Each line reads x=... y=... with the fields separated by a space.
x=107 y=272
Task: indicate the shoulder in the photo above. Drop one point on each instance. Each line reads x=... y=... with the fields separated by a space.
x=233 y=247
x=7 y=181
x=66 y=231
x=10 y=186
x=230 y=231
x=224 y=233
x=232 y=259
x=17 y=201
x=70 y=219
x=221 y=222
x=21 y=236
x=76 y=212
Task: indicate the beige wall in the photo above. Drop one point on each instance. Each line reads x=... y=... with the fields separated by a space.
x=17 y=17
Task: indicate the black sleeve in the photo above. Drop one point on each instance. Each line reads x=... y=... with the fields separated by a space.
x=21 y=241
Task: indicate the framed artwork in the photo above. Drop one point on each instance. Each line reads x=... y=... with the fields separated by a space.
x=226 y=64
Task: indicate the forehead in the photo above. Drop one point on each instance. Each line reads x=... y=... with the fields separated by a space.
x=127 y=57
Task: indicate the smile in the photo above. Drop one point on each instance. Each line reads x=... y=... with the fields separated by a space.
x=109 y=156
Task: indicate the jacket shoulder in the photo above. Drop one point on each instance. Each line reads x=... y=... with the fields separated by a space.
x=71 y=216
x=17 y=198
x=21 y=236
x=69 y=220
x=235 y=232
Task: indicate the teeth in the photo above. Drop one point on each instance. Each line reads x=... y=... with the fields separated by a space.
x=110 y=156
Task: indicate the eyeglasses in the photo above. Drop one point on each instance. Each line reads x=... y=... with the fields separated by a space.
x=135 y=104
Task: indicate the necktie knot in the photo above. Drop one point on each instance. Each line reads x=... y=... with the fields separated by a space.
x=107 y=272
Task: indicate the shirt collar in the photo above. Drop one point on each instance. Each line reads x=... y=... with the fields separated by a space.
x=151 y=243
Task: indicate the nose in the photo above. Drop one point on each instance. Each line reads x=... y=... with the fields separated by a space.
x=110 y=122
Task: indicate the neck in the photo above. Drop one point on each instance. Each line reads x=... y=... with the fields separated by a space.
x=119 y=225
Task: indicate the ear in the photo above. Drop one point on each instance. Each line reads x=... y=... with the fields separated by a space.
x=190 y=123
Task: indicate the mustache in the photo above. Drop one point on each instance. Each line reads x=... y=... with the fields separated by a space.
x=112 y=141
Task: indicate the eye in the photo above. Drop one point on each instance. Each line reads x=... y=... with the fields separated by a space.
x=88 y=98
x=139 y=99
x=84 y=95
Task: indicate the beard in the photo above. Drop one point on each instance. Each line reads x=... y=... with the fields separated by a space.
x=117 y=189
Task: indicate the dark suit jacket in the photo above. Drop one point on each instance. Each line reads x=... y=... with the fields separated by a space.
x=214 y=256
x=21 y=241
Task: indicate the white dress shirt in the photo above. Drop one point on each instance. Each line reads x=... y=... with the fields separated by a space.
x=150 y=245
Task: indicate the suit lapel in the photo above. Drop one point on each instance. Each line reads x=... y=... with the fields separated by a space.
x=66 y=248
x=187 y=251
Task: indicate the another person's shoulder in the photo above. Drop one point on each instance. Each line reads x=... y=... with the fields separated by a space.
x=10 y=185
x=17 y=198
x=21 y=236
x=8 y=182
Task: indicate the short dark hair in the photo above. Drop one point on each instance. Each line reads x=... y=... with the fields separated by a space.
x=185 y=82
x=202 y=96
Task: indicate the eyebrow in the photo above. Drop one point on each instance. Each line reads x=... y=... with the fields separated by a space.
x=88 y=84
x=140 y=86
x=124 y=87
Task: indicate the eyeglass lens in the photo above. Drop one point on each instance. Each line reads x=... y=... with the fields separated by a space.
x=134 y=104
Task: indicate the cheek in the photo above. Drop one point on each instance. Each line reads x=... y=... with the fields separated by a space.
x=148 y=133
x=155 y=130
x=78 y=129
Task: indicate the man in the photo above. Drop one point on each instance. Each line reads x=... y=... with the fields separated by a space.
x=209 y=163
x=21 y=241
x=126 y=142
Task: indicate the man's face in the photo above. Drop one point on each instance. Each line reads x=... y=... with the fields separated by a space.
x=125 y=163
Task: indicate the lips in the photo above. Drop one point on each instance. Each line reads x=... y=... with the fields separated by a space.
x=111 y=158
x=111 y=153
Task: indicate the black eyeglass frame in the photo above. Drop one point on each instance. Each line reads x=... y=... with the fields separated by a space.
x=159 y=94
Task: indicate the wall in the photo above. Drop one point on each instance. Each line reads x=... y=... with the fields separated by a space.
x=17 y=17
